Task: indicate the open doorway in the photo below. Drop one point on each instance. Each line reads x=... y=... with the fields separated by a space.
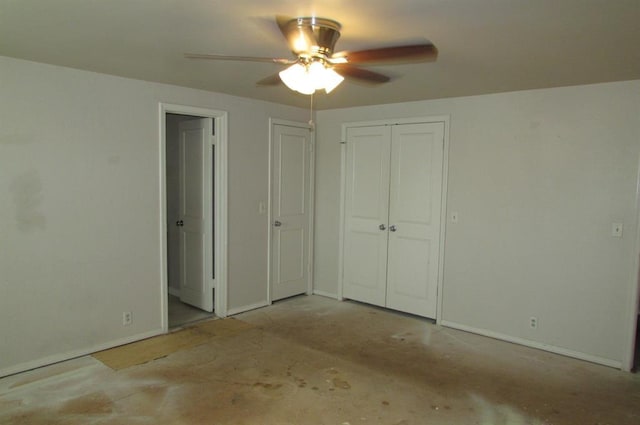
x=186 y=175
x=194 y=223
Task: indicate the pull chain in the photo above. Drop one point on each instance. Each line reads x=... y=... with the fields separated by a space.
x=311 y=123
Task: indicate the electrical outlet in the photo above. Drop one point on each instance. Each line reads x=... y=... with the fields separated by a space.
x=533 y=322
x=127 y=318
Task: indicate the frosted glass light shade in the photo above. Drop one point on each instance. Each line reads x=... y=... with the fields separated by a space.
x=331 y=80
x=315 y=71
x=297 y=78
x=307 y=79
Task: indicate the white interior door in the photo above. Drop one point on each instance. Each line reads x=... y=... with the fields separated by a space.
x=195 y=179
x=366 y=214
x=290 y=205
x=414 y=217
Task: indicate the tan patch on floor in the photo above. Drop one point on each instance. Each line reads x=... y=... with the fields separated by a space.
x=222 y=327
x=161 y=346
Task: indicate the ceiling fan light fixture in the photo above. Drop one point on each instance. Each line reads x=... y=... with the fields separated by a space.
x=316 y=71
x=331 y=80
x=307 y=78
x=296 y=77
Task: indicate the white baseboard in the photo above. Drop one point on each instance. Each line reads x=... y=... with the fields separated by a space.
x=238 y=310
x=534 y=344
x=174 y=291
x=326 y=294
x=57 y=358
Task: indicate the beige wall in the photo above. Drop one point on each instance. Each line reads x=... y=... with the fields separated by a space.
x=537 y=177
x=80 y=207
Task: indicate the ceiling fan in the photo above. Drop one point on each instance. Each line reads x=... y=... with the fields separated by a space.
x=316 y=66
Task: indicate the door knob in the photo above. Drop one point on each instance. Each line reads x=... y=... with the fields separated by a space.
x=277 y=223
x=180 y=223
x=382 y=227
x=393 y=228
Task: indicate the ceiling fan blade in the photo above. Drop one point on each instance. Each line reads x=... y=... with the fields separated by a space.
x=406 y=53
x=360 y=74
x=238 y=58
x=271 y=80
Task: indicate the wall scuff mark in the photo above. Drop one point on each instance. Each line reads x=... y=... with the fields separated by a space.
x=27 y=197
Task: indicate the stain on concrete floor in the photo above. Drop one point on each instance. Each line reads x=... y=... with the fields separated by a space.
x=311 y=360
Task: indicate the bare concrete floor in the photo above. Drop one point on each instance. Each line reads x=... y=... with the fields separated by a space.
x=312 y=360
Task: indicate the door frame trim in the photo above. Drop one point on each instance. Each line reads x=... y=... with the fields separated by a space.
x=220 y=199
x=633 y=301
x=272 y=123
x=445 y=119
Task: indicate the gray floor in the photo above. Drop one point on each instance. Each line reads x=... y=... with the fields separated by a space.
x=181 y=314
x=312 y=360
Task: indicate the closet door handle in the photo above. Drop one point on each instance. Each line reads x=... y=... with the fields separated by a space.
x=277 y=223
x=393 y=228
x=179 y=223
x=382 y=227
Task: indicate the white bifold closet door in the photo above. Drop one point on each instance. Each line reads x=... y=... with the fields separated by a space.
x=392 y=216
x=366 y=214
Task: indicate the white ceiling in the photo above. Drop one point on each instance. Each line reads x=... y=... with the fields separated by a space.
x=485 y=46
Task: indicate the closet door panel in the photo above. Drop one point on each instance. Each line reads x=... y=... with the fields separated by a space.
x=366 y=214
x=414 y=217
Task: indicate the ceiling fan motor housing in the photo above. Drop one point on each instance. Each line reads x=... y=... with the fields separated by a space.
x=315 y=37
